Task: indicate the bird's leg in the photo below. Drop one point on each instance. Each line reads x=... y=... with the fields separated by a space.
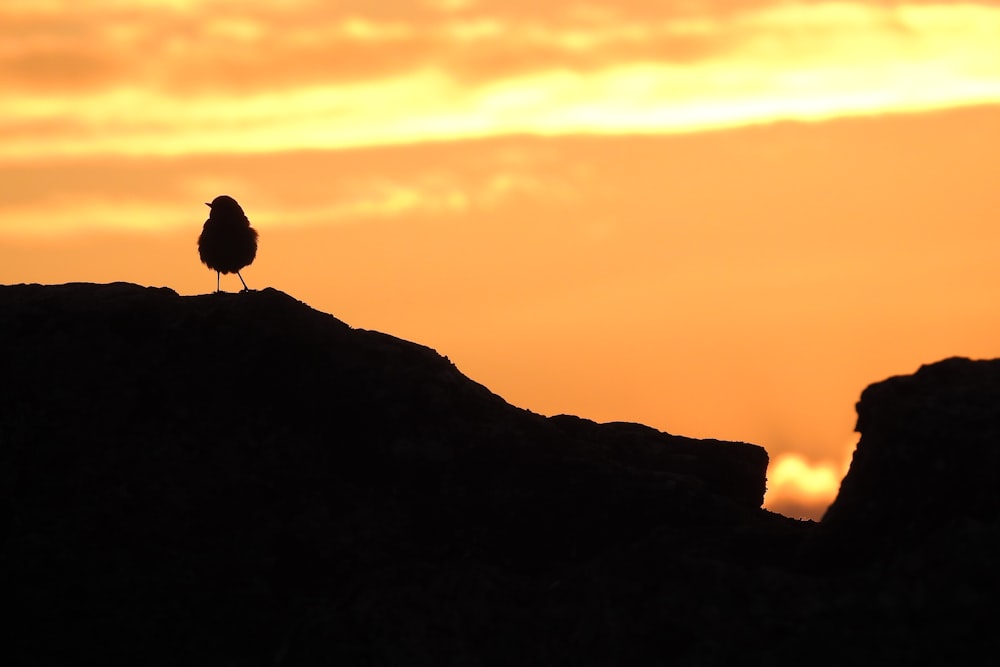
x=245 y=288
x=217 y=279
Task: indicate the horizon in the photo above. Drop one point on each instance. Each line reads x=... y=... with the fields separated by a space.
x=723 y=220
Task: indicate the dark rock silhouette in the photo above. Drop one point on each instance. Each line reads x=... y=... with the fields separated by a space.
x=227 y=242
x=357 y=500
x=928 y=459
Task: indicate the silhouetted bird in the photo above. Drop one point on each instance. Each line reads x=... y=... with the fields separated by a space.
x=227 y=242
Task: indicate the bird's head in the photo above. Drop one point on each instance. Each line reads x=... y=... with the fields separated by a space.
x=224 y=204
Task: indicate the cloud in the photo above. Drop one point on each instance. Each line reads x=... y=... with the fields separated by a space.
x=287 y=189
x=176 y=77
x=268 y=47
x=188 y=49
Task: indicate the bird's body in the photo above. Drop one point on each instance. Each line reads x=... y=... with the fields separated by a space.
x=227 y=242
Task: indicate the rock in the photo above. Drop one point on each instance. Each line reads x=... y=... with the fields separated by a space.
x=928 y=458
x=239 y=479
x=211 y=468
x=909 y=546
x=734 y=470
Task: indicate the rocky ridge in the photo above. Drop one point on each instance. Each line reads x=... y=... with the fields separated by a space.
x=239 y=479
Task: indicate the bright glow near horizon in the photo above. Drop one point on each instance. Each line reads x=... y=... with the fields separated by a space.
x=794 y=480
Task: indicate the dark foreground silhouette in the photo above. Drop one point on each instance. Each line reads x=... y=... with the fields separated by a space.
x=353 y=499
x=227 y=242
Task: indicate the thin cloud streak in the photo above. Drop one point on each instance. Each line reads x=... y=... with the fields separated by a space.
x=352 y=187
x=280 y=79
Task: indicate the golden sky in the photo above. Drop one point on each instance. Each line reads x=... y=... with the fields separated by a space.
x=721 y=219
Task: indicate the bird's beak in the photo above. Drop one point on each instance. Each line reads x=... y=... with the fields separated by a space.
x=208 y=205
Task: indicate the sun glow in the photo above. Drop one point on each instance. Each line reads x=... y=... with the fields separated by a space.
x=798 y=486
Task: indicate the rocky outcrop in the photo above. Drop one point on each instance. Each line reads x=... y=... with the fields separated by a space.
x=910 y=544
x=732 y=470
x=214 y=467
x=928 y=459
x=239 y=479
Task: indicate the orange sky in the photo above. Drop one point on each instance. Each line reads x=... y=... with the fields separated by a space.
x=721 y=219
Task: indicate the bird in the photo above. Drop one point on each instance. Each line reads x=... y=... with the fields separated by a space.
x=227 y=242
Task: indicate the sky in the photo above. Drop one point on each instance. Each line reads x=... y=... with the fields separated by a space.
x=720 y=219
